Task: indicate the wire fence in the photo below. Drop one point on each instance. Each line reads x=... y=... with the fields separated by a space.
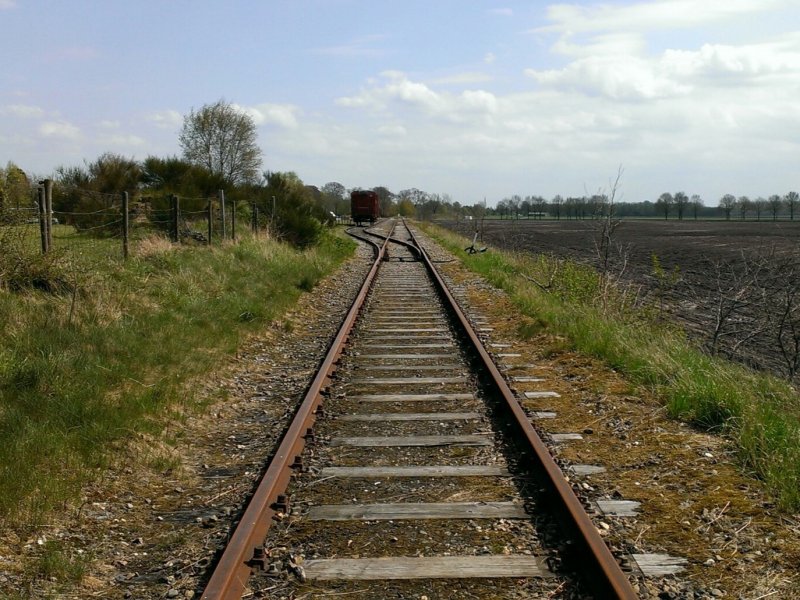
x=71 y=218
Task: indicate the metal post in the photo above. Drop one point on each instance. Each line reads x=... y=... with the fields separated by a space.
x=233 y=221
x=210 y=219
x=125 y=225
x=42 y=204
x=176 y=209
x=48 y=197
x=222 y=209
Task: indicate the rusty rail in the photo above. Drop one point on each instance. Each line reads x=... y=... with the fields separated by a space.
x=606 y=573
x=243 y=550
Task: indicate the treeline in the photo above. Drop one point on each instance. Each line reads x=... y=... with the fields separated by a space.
x=280 y=199
x=426 y=206
x=667 y=206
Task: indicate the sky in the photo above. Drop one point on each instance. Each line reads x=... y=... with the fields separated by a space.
x=478 y=99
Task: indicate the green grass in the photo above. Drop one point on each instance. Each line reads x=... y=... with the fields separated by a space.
x=759 y=413
x=83 y=369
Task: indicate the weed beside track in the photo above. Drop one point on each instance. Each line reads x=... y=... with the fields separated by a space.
x=84 y=368
x=760 y=413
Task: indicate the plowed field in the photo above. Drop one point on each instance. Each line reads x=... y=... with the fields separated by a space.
x=710 y=266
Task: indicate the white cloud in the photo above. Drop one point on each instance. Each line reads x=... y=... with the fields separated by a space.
x=618 y=77
x=4 y=4
x=109 y=124
x=282 y=115
x=60 y=129
x=395 y=90
x=489 y=58
x=166 y=119
x=23 y=111
x=743 y=62
x=635 y=76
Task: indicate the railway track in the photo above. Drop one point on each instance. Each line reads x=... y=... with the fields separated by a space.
x=411 y=470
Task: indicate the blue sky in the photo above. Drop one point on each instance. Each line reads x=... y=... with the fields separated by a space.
x=471 y=98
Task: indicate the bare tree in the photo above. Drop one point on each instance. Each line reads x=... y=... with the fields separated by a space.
x=760 y=205
x=787 y=322
x=604 y=238
x=664 y=204
x=697 y=204
x=736 y=288
x=556 y=203
x=385 y=199
x=775 y=203
x=222 y=138
x=792 y=198
x=744 y=204
x=727 y=203
x=681 y=201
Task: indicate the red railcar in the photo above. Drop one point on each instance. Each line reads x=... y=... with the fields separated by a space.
x=364 y=207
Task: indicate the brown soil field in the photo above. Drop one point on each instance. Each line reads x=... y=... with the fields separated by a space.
x=749 y=268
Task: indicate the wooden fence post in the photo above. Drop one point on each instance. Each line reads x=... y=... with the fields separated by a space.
x=125 y=225
x=48 y=197
x=210 y=219
x=222 y=210
x=233 y=221
x=42 y=204
x=176 y=215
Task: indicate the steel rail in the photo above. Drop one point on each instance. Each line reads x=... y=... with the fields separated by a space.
x=229 y=579
x=607 y=573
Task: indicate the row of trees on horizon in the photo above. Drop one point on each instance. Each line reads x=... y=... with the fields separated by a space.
x=220 y=152
x=667 y=206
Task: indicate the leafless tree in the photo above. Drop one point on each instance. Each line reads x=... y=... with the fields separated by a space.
x=727 y=203
x=697 y=204
x=775 y=203
x=787 y=324
x=760 y=205
x=681 y=201
x=664 y=204
x=792 y=198
x=744 y=204
x=556 y=203
x=736 y=288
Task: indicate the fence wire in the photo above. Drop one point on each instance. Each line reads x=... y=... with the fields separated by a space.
x=90 y=224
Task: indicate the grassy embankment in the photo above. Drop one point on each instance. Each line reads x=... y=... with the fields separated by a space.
x=105 y=356
x=759 y=413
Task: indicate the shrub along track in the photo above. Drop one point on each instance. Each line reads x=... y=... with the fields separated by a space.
x=430 y=478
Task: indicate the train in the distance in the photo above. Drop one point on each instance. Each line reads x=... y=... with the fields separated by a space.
x=364 y=207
